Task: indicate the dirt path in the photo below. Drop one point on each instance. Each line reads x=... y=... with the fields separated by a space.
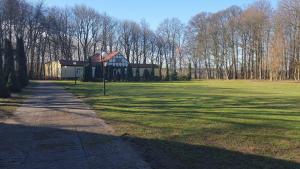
x=54 y=130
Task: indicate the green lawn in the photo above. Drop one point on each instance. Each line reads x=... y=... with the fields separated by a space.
x=204 y=124
x=8 y=106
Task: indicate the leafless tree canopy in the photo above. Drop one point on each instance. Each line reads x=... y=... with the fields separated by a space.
x=256 y=42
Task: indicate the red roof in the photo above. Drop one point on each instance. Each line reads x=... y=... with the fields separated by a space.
x=98 y=59
x=108 y=57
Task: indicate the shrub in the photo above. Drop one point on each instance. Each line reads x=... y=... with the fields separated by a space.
x=184 y=78
x=174 y=76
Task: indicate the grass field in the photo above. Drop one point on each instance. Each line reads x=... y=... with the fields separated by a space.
x=204 y=124
x=9 y=105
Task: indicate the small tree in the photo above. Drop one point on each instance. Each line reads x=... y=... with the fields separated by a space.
x=189 y=72
x=109 y=73
x=88 y=72
x=146 y=75
x=118 y=76
x=123 y=74
x=152 y=76
x=98 y=72
x=174 y=76
x=137 y=74
x=21 y=63
x=129 y=73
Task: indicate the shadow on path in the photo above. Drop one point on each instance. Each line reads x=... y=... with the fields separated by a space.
x=28 y=147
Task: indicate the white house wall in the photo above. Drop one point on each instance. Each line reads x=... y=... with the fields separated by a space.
x=118 y=61
x=69 y=72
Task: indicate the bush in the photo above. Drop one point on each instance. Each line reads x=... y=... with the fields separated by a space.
x=184 y=78
x=156 y=78
x=174 y=76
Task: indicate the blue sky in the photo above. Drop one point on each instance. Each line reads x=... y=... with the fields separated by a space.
x=153 y=11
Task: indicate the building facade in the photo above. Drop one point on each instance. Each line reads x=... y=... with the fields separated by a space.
x=116 y=63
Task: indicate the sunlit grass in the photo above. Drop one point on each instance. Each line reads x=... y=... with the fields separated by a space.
x=256 y=117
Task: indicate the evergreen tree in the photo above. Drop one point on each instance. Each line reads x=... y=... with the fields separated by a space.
x=98 y=72
x=4 y=92
x=152 y=76
x=1 y=61
x=109 y=73
x=146 y=75
x=13 y=84
x=9 y=64
x=129 y=73
x=21 y=63
x=174 y=76
x=118 y=76
x=137 y=74
x=123 y=74
x=88 y=72
x=189 y=72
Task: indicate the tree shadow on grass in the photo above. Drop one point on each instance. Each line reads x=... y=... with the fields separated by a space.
x=31 y=147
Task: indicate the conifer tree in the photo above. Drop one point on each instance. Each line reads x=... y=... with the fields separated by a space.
x=88 y=71
x=129 y=73
x=12 y=82
x=98 y=72
x=21 y=63
x=189 y=72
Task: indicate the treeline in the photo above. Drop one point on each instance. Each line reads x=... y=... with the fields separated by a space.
x=256 y=42
x=252 y=43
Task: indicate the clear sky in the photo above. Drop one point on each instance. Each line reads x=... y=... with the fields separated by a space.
x=153 y=11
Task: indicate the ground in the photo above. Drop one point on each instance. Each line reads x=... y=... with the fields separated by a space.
x=52 y=129
x=9 y=105
x=203 y=124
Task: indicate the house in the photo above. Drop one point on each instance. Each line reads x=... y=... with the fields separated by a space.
x=64 y=69
x=116 y=64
